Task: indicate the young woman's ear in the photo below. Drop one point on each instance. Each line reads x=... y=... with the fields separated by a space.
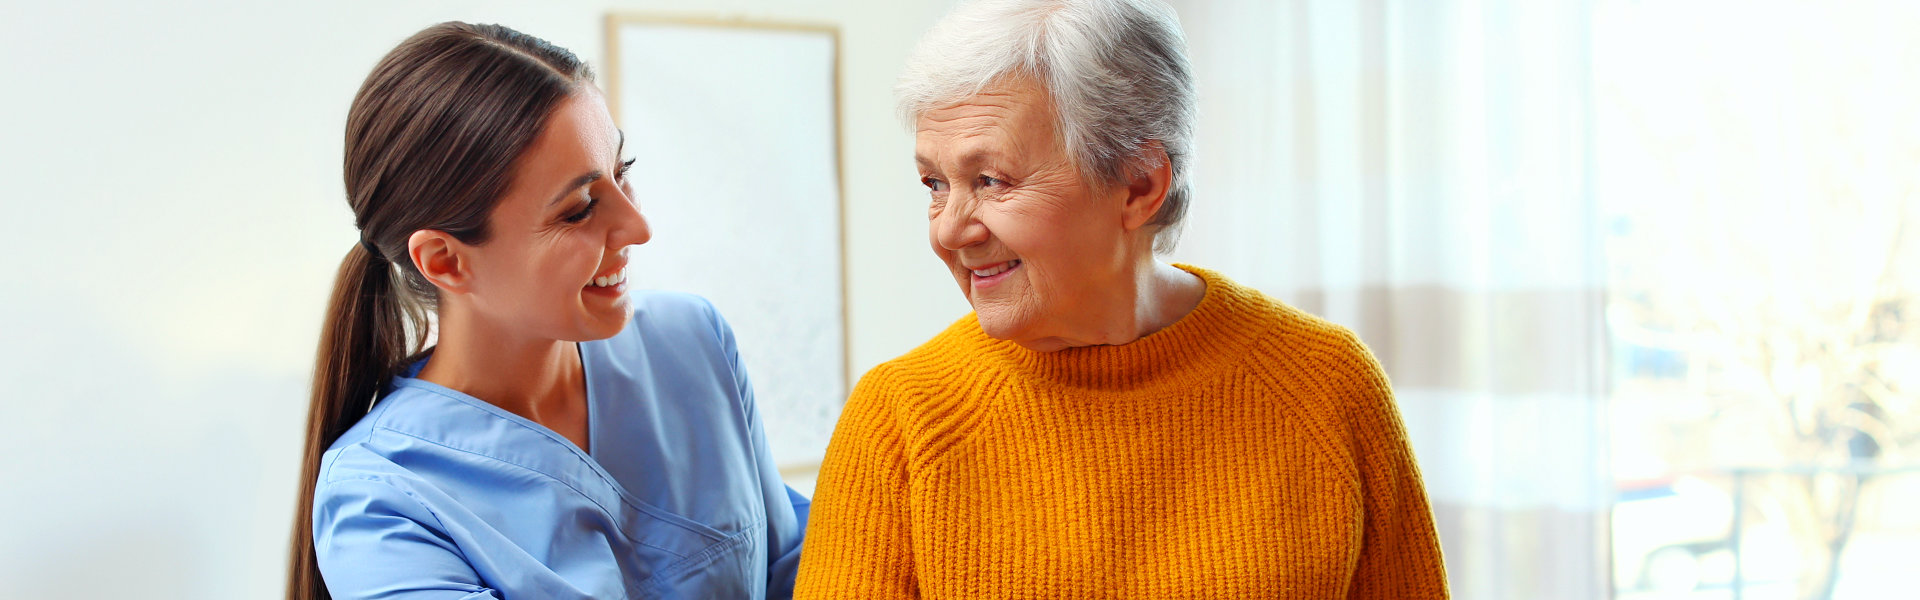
x=442 y=259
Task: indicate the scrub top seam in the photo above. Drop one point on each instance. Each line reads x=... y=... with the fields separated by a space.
x=709 y=554
x=619 y=490
x=372 y=419
x=440 y=525
x=588 y=497
x=547 y=433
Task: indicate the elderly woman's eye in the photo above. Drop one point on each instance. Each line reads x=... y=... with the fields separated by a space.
x=933 y=184
x=986 y=181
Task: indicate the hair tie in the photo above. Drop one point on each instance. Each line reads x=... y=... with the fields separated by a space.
x=371 y=249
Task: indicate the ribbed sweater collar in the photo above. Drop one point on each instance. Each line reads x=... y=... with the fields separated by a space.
x=1191 y=350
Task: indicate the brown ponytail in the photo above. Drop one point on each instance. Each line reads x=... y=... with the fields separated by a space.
x=432 y=138
x=363 y=339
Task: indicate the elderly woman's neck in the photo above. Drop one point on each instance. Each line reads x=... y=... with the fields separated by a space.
x=1157 y=295
x=1166 y=294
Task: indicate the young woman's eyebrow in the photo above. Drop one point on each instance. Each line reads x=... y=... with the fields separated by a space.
x=575 y=184
x=589 y=177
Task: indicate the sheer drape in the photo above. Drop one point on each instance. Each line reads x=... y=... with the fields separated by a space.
x=1419 y=172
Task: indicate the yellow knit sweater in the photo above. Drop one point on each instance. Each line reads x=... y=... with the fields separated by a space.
x=1249 y=450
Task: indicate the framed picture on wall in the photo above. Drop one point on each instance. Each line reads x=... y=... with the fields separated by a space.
x=735 y=125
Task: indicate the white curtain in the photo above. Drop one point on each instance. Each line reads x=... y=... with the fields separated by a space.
x=1419 y=171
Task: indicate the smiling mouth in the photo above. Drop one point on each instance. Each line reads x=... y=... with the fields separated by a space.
x=617 y=278
x=992 y=270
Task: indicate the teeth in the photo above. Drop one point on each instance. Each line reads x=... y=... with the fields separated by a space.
x=996 y=270
x=611 y=280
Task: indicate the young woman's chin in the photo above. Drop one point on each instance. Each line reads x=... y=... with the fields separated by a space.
x=606 y=315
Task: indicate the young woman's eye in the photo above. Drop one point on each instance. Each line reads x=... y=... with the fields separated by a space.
x=626 y=165
x=933 y=184
x=583 y=213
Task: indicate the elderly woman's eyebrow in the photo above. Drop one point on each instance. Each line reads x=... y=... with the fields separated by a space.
x=970 y=160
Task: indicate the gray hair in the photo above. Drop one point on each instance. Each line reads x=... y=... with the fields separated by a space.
x=1116 y=70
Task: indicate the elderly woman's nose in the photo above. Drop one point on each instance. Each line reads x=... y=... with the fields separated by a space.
x=955 y=227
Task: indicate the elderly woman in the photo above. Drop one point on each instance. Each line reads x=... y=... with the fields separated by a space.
x=1104 y=424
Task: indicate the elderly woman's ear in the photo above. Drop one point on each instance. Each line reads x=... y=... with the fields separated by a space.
x=1147 y=186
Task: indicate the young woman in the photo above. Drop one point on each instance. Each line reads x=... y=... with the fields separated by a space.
x=565 y=437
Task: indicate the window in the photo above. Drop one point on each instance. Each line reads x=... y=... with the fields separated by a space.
x=1758 y=169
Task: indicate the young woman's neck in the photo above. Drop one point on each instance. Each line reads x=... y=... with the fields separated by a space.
x=540 y=379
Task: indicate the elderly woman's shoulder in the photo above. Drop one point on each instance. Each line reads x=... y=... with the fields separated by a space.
x=938 y=357
x=1300 y=355
x=1304 y=332
x=1292 y=339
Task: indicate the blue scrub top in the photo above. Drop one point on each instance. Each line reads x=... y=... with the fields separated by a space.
x=437 y=494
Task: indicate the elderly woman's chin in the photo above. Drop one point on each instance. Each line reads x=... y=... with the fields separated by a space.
x=1002 y=319
x=1027 y=328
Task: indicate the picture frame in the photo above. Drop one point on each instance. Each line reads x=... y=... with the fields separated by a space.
x=735 y=125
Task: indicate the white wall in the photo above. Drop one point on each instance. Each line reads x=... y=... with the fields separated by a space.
x=173 y=217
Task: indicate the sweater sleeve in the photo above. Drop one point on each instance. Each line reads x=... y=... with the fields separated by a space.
x=1400 y=548
x=858 y=545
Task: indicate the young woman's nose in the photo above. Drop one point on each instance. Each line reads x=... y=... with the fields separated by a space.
x=629 y=227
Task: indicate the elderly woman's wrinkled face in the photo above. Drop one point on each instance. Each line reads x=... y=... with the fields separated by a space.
x=1032 y=243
